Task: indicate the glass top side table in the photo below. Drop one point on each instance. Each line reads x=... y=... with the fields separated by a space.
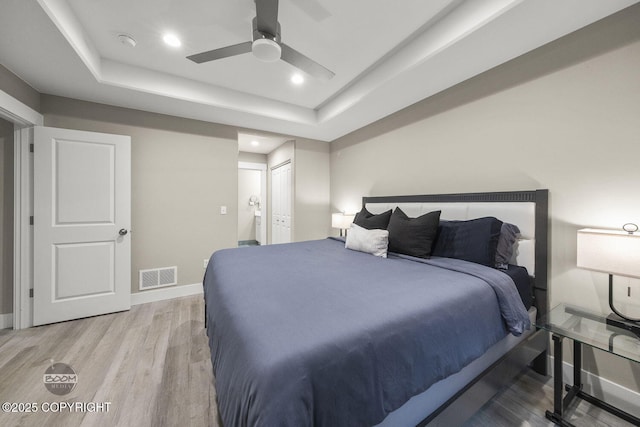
x=584 y=327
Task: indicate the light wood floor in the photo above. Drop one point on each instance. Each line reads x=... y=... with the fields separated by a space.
x=152 y=363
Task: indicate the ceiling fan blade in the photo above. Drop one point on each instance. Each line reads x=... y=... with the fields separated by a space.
x=223 y=52
x=267 y=15
x=305 y=64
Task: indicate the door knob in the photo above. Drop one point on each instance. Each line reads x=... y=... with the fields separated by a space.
x=122 y=232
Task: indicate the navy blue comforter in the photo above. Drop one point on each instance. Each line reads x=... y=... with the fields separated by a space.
x=313 y=334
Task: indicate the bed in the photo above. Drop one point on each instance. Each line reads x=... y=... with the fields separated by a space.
x=313 y=333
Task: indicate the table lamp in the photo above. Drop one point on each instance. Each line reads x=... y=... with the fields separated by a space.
x=341 y=221
x=612 y=252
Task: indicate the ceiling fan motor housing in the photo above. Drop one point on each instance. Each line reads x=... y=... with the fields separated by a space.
x=265 y=46
x=266 y=50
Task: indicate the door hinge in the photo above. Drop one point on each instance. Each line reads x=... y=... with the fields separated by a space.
x=31 y=220
x=31 y=293
x=31 y=148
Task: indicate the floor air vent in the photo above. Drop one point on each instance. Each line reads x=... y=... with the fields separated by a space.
x=158 y=277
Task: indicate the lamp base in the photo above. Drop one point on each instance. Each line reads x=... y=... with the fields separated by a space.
x=629 y=325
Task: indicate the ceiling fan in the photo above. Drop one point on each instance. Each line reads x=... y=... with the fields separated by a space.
x=266 y=44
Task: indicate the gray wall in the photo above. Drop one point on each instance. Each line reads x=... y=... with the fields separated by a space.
x=252 y=157
x=563 y=117
x=6 y=217
x=312 y=190
x=182 y=171
x=16 y=87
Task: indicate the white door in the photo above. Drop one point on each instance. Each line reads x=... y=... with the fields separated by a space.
x=82 y=219
x=281 y=204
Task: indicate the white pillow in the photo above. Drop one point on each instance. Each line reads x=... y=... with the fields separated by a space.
x=374 y=242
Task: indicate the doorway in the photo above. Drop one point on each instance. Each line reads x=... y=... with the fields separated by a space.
x=6 y=223
x=22 y=118
x=252 y=203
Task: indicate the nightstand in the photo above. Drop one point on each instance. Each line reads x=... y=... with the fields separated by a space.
x=584 y=328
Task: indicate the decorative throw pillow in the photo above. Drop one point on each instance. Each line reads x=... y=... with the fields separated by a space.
x=366 y=219
x=509 y=234
x=474 y=240
x=413 y=236
x=374 y=242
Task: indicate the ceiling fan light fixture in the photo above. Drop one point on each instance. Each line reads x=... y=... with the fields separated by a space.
x=266 y=50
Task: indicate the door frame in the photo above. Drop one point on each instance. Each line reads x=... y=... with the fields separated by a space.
x=262 y=167
x=23 y=118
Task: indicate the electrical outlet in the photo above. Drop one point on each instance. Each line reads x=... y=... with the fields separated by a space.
x=205 y=263
x=223 y=210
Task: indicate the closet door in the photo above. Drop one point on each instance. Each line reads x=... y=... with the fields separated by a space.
x=275 y=206
x=281 y=204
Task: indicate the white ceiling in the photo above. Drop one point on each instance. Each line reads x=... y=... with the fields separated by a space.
x=259 y=143
x=386 y=55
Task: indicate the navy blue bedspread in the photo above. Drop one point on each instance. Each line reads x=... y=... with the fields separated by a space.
x=313 y=334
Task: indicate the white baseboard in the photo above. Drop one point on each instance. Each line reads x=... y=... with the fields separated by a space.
x=161 y=294
x=6 y=321
x=612 y=393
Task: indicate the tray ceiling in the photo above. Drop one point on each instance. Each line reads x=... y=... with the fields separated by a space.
x=385 y=55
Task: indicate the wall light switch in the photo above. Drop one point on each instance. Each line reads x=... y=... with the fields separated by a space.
x=205 y=263
x=223 y=210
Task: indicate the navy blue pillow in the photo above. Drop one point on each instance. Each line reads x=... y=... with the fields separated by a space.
x=413 y=236
x=366 y=219
x=474 y=240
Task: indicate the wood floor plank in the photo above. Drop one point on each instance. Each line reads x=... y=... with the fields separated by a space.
x=529 y=397
x=172 y=406
x=153 y=365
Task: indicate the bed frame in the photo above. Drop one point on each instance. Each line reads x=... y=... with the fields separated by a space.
x=533 y=350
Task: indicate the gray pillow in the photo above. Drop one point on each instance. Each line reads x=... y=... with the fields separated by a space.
x=509 y=234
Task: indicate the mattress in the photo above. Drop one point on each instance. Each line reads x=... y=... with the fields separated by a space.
x=313 y=334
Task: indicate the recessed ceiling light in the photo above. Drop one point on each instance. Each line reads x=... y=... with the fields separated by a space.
x=255 y=143
x=297 y=79
x=172 y=40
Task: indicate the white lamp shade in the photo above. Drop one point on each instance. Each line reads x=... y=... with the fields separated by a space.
x=342 y=221
x=609 y=251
